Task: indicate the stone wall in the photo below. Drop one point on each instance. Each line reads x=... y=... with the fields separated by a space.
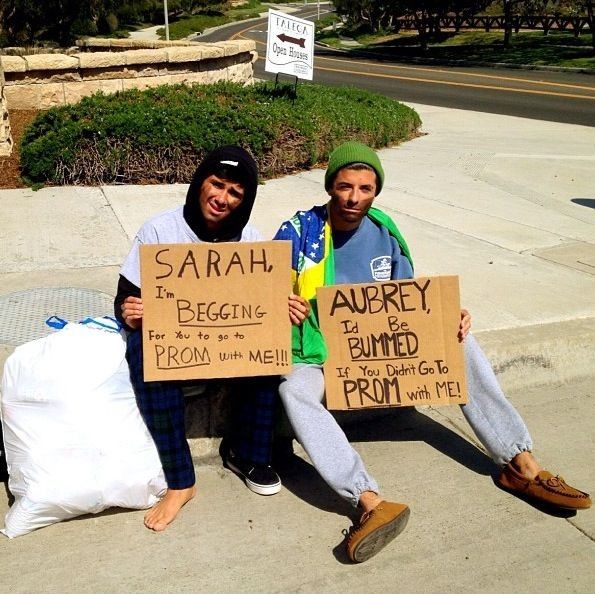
x=5 y=137
x=41 y=81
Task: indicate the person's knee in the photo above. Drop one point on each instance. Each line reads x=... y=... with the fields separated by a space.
x=304 y=393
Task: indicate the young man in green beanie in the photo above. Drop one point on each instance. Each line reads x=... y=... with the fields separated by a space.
x=349 y=241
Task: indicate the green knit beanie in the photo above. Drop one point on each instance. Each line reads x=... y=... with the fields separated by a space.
x=353 y=152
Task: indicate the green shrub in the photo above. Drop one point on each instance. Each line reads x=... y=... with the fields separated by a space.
x=159 y=135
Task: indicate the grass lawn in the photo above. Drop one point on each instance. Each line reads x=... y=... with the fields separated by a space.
x=529 y=47
x=193 y=24
x=197 y=23
x=189 y=25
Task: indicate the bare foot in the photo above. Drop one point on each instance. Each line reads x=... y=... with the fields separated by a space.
x=526 y=464
x=368 y=500
x=165 y=511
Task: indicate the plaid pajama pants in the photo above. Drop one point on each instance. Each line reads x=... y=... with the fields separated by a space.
x=161 y=405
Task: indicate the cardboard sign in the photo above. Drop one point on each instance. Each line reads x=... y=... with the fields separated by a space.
x=290 y=45
x=393 y=343
x=213 y=310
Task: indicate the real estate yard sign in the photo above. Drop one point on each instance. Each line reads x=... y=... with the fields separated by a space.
x=290 y=45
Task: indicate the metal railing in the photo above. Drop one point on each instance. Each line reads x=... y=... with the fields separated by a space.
x=546 y=23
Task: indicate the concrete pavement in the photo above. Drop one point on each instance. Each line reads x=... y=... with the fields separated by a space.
x=504 y=202
x=148 y=34
x=507 y=204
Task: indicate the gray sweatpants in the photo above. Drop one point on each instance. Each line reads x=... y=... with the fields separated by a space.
x=492 y=417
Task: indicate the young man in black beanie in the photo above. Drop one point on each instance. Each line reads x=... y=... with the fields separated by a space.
x=349 y=241
x=218 y=205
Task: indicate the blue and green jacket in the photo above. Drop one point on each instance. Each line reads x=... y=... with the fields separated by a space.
x=313 y=266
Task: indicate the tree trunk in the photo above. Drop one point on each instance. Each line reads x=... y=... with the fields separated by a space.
x=421 y=25
x=589 y=7
x=507 y=24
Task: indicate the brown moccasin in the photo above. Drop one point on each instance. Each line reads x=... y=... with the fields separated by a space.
x=376 y=529
x=545 y=487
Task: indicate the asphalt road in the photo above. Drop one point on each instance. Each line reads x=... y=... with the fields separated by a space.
x=554 y=96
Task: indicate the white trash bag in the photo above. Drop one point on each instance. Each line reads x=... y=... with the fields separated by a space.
x=74 y=439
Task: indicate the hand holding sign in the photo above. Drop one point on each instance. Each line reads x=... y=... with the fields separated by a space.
x=132 y=312
x=299 y=309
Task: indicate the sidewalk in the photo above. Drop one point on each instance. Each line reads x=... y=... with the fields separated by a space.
x=148 y=34
x=504 y=202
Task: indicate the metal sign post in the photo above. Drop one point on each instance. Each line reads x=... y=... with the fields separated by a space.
x=166 y=20
x=293 y=93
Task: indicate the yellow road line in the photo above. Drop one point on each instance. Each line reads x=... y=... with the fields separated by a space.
x=477 y=75
x=459 y=84
x=441 y=70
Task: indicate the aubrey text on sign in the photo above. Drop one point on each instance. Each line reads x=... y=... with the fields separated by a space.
x=290 y=45
x=393 y=343
x=213 y=310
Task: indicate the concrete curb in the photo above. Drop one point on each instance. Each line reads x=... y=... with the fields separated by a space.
x=523 y=358
x=542 y=354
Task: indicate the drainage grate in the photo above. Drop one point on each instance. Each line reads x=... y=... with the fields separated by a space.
x=23 y=314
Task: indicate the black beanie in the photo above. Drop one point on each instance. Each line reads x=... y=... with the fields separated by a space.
x=231 y=163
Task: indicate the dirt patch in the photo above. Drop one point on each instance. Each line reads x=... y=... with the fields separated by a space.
x=10 y=174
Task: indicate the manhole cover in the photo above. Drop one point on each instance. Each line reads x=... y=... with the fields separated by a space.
x=23 y=314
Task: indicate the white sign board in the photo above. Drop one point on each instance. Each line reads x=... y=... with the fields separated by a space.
x=290 y=45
